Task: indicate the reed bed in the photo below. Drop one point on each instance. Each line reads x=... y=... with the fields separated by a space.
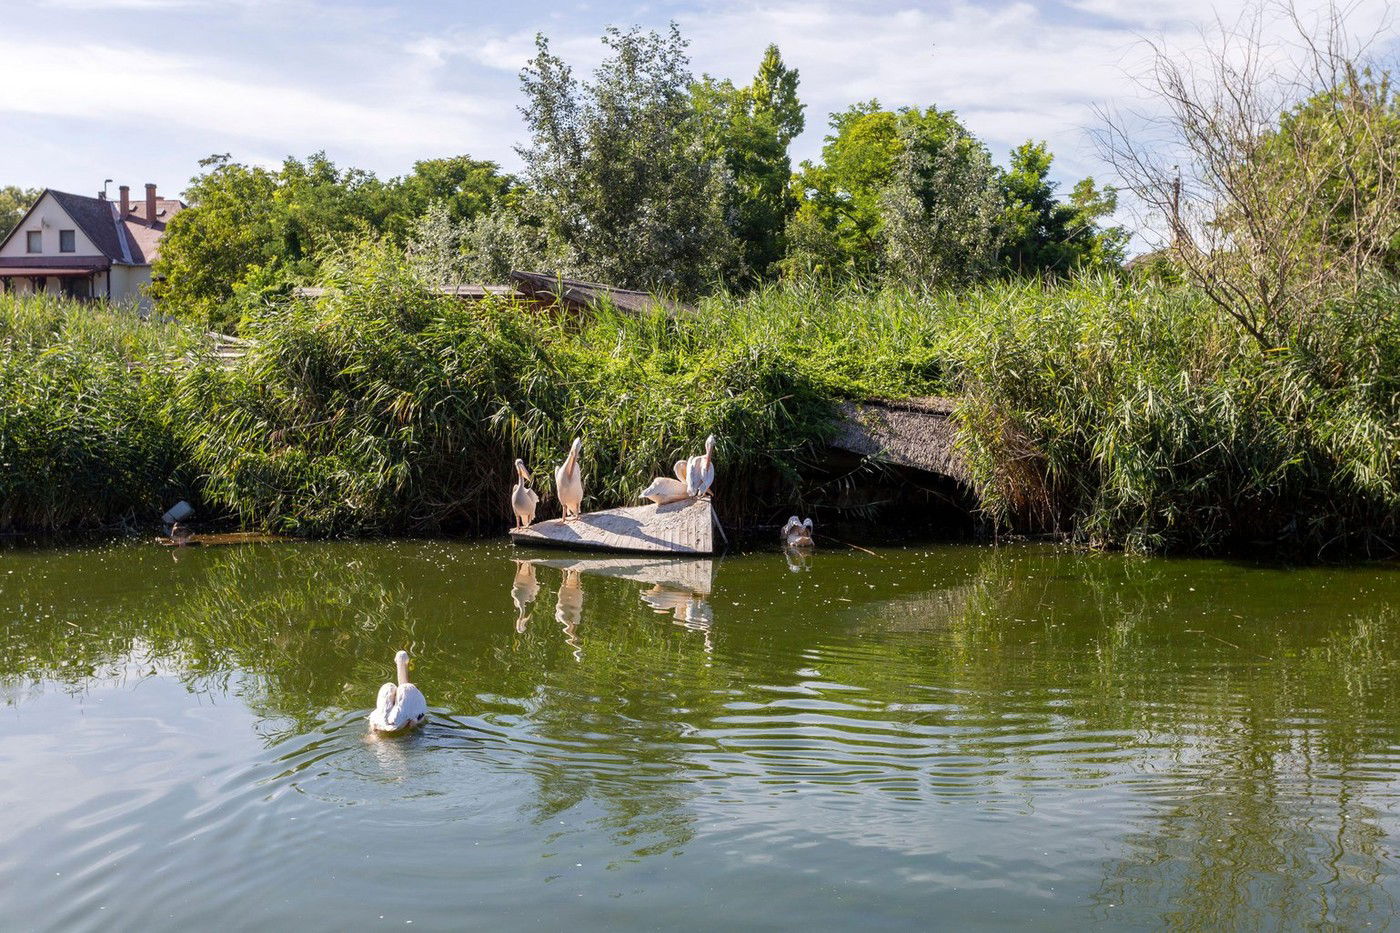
x=85 y=437
x=1114 y=413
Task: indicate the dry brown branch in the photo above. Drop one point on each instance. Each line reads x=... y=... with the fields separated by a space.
x=1272 y=164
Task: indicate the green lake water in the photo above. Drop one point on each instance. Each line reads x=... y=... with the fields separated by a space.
x=952 y=737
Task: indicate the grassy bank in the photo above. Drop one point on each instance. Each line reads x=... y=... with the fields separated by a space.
x=1118 y=414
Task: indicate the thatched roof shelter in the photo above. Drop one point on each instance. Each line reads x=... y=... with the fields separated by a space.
x=916 y=432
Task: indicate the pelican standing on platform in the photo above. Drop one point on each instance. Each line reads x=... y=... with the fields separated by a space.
x=568 y=482
x=797 y=533
x=700 y=471
x=523 y=499
x=663 y=489
x=400 y=706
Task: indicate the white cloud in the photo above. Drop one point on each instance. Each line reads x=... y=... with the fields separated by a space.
x=379 y=85
x=167 y=90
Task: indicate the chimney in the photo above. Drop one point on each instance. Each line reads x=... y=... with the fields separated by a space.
x=150 y=203
x=125 y=201
x=102 y=195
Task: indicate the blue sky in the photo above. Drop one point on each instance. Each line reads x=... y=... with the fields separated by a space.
x=139 y=90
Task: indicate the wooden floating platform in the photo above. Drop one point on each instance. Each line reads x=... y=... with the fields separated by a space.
x=676 y=528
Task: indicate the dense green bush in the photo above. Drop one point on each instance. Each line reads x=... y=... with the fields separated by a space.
x=1139 y=417
x=382 y=407
x=84 y=436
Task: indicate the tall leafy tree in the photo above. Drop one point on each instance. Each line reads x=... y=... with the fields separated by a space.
x=1042 y=234
x=466 y=188
x=940 y=213
x=849 y=194
x=750 y=128
x=14 y=201
x=251 y=229
x=620 y=176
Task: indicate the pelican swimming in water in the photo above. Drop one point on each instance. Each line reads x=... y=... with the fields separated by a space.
x=797 y=533
x=523 y=499
x=400 y=706
x=568 y=482
x=700 y=471
x=664 y=489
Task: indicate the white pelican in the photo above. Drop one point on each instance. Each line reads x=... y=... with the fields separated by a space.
x=568 y=482
x=700 y=471
x=663 y=489
x=399 y=707
x=523 y=499
x=797 y=533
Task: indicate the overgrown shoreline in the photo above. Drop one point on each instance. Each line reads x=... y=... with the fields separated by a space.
x=1117 y=414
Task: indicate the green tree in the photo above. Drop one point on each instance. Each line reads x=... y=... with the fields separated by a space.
x=621 y=179
x=14 y=201
x=750 y=128
x=1341 y=145
x=467 y=188
x=849 y=193
x=1040 y=233
x=231 y=226
x=251 y=230
x=941 y=213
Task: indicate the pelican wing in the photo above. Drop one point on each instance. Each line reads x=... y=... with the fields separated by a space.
x=380 y=717
x=412 y=706
x=663 y=489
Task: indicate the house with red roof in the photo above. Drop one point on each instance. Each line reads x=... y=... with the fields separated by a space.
x=88 y=248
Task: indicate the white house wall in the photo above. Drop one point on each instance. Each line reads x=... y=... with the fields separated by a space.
x=48 y=218
x=128 y=284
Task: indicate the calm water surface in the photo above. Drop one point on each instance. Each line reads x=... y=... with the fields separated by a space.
x=957 y=737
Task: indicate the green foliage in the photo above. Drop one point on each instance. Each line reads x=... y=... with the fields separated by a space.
x=940 y=211
x=467 y=188
x=84 y=437
x=1343 y=146
x=273 y=227
x=383 y=407
x=1041 y=234
x=1121 y=413
x=1138 y=417
x=14 y=201
x=750 y=129
x=920 y=167
x=621 y=180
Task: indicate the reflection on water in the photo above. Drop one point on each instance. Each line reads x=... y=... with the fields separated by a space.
x=568 y=609
x=799 y=559
x=524 y=588
x=1005 y=737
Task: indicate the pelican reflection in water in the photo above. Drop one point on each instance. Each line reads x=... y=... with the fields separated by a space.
x=568 y=609
x=689 y=610
x=799 y=559
x=523 y=590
